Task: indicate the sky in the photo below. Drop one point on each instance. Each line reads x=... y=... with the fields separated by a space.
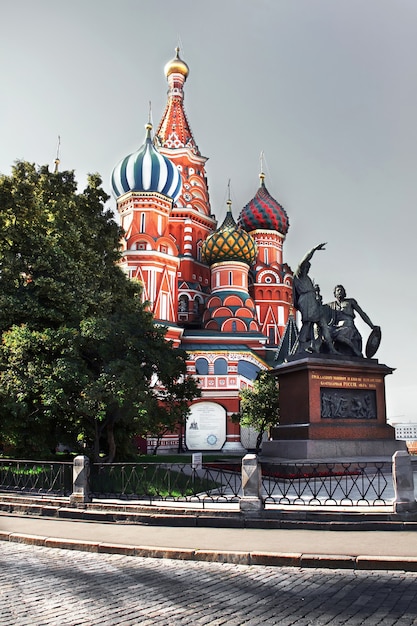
x=326 y=89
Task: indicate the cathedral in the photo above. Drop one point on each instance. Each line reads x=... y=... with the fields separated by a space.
x=223 y=293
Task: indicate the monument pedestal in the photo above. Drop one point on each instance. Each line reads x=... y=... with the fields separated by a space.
x=331 y=408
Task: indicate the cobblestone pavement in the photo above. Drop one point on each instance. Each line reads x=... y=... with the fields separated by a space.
x=47 y=586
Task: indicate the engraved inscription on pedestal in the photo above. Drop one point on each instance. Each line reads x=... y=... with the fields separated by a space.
x=348 y=404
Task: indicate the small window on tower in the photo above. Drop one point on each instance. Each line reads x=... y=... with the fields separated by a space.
x=199 y=244
x=164 y=249
x=183 y=304
x=197 y=305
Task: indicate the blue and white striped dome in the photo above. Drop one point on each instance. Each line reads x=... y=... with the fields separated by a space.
x=146 y=170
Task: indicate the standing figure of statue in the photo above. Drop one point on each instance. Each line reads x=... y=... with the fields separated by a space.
x=308 y=302
x=344 y=333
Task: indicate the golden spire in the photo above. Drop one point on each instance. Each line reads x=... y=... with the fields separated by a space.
x=149 y=125
x=262 y=175
x=57 y=159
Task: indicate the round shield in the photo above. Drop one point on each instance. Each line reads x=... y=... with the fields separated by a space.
x=373 y=342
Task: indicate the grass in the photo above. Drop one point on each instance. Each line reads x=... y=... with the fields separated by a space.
x=148 y=479
x=35 y=477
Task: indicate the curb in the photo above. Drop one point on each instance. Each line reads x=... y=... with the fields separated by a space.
x=271 y=559
x=183 y=517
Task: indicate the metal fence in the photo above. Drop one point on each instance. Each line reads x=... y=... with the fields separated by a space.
x=303 y=484
x=328 y=484
x=166 y=481
x=54 y=478
x=290 y=484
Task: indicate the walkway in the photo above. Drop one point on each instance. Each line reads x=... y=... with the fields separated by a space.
x=358 y=549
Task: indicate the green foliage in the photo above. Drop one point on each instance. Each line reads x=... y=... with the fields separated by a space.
x=259 y=407
x=81 y=360
x=158 y=480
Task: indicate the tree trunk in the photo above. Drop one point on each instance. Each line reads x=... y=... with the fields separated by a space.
x=259 y=440
x=180 y=446
x=111 y=441
x=158 y=443
x=96 y=449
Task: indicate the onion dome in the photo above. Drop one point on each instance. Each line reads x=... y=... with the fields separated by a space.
x=146 y=170
x=263 y=212
x=229 y=243
x=177 y=66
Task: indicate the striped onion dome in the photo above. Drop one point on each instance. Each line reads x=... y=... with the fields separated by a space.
x=146 y=170
x=229 y=243
x=263 y=212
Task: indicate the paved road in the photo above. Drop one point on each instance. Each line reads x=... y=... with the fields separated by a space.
x=54 y=587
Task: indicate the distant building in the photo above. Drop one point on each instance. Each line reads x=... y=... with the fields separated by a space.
x=223 y=293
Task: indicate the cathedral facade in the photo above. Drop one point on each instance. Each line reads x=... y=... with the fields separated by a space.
x=223 y=293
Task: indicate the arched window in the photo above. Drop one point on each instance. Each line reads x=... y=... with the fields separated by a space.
x=199 y=246
x=247 y=369
x=197 y=305
x=201 y=366
x=220 y=366
x=183 y=304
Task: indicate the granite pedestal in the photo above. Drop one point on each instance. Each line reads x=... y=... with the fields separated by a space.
x=332 y=407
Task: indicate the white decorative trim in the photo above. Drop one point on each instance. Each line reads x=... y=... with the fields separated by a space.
x=268 y=271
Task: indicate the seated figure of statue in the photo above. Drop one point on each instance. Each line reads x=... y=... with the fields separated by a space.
x=341 y=313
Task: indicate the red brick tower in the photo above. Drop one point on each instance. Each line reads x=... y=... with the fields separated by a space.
x=191 y=220
x=271 y=287
x=230 y=252
x=146 y=184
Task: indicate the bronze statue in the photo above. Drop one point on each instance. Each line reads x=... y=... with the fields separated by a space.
x=306 y=300
x=329 y=328
x=343 y=331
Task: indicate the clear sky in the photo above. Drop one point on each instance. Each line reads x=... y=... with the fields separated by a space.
x=327 y=89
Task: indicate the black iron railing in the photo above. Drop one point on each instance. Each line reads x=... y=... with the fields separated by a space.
x=54 y=478
x=165 y=481
x=328 y=484
x=290 y=484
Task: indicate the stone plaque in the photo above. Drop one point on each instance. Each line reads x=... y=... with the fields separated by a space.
x=348 y=404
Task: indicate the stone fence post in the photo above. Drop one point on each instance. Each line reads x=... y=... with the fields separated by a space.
x=251 y=484
x=80 y=480
x=402 y=475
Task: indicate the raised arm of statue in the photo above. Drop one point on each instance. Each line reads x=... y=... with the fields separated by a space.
x=304 y=266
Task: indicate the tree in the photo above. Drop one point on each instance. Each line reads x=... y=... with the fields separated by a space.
x=80 y=353
x=172 y=409
x=259 y=407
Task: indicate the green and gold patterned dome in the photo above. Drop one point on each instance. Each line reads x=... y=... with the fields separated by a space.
x=229 y=243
